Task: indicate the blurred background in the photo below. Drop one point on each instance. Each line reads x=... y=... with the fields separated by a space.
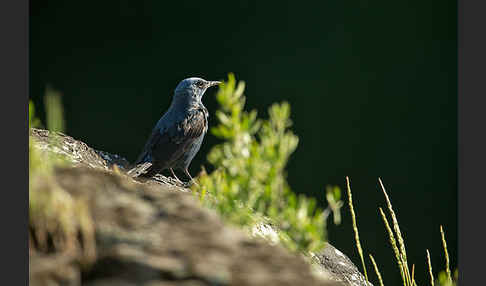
x=372 y=86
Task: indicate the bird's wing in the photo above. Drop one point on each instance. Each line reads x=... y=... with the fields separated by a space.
x=146 y=155
x=143 y=163
x=173 y=143
x=165 y=146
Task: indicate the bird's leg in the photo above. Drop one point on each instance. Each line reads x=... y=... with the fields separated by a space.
x=173 y=174
x=189 y=175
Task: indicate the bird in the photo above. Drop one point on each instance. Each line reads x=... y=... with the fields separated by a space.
x=179 y=133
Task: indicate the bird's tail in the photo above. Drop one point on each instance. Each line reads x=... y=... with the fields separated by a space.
x=142 y=165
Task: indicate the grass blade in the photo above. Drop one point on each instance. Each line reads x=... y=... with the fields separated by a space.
x=413 y=274
x=448 y=270
x=54 y=110
x=355 y=227
x=430 y=269
x=408 y=280
x=393 y=244
x=396 y=227
x=376 y=270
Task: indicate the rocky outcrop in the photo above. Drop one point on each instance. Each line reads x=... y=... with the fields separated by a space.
x=156 y=233
x=335 y=265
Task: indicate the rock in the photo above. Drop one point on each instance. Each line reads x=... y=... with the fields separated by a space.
x=55 y=269
x=76 y=151
x=329 y=263
x=156 y=233
x=335 y=265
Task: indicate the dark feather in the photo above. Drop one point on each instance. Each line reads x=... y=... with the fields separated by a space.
x=167 y=148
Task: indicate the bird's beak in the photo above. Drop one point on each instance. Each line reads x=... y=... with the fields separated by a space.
x=213 y=83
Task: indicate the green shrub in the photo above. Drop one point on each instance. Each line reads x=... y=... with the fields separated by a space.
x=249 y=181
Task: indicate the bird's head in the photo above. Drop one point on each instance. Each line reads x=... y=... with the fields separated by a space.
x=192 y=89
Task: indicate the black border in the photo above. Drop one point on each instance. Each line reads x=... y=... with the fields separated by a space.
x=471 y=139
x=14 y=50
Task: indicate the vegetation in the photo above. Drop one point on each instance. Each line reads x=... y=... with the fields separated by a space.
x=398 y=245
x=249 y=183
x=57 y=221
x=248 y=186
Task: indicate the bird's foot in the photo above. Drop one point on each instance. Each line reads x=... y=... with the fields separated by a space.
x=177 y=179
x=186 y=172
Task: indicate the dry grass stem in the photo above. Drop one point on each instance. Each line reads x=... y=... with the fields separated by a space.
x=376 y=270
x=393 y=243
x=355 y=227
x=448 y=270
x=396 y=227
x=413 y=274
x=430 y=269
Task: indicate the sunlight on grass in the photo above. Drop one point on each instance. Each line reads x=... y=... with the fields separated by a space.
x=398 y=245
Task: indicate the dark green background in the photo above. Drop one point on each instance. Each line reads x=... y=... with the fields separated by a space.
x=372 y=85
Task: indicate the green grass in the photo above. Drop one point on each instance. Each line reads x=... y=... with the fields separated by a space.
x=397 y=243
x=431 y=272
x=355 y=227
x=58 y=222
x=377 y=271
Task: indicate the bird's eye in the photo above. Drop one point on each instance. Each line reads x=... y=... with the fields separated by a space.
x=200 y=83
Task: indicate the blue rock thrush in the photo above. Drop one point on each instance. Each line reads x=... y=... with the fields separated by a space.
x=177 y=136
